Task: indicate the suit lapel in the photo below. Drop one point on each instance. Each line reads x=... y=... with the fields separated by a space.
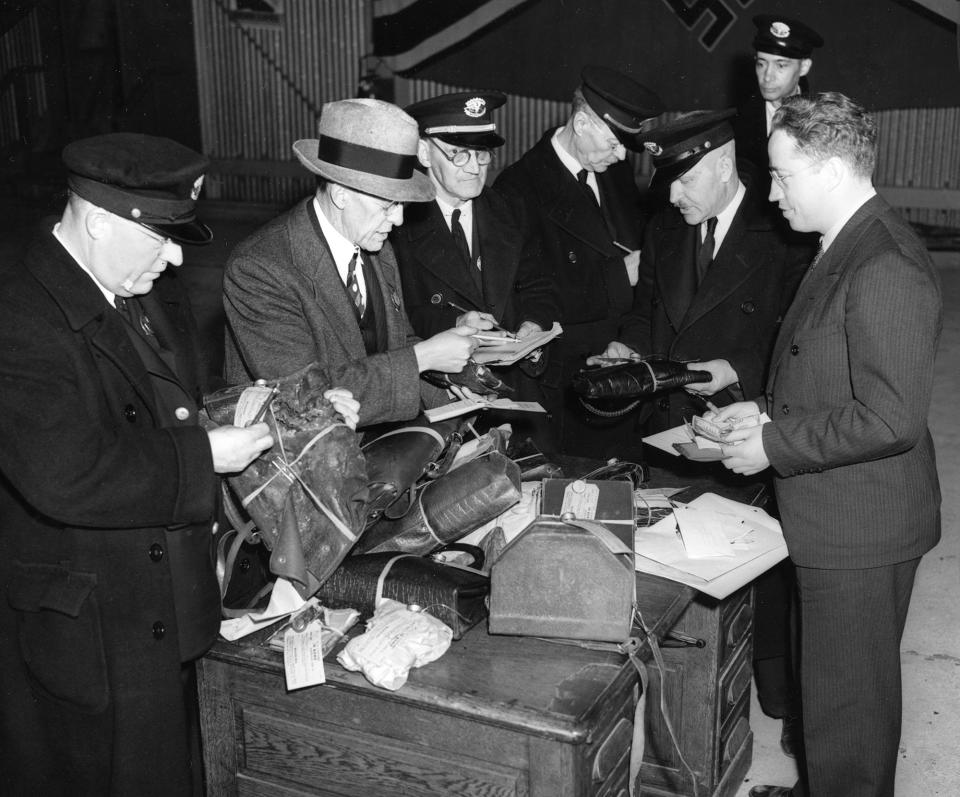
x=676 y=273
x=501 y=243
x=311 y=256
x=434 y=250
x=726 y=273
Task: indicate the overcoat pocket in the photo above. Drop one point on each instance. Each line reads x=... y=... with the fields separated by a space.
x=60 y=634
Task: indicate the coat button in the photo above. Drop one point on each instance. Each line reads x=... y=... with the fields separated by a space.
x=436 y=299
x=130 y=413
x=159 y=629
x=748 y=307
x=794 y=349
x=572 y=256
x=181 y=413
x=156 y=552
x=244 y=565
x=785 y=409
x=663 y=404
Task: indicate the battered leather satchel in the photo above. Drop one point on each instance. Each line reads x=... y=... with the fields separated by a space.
x=400 y=458
x=449 y=507
x=307 y=495
x=453 y=594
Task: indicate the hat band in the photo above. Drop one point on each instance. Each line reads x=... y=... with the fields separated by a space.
x=461 y=129
x=662 y=163
x=621 y=126
x=146 y=208
x=365 y=159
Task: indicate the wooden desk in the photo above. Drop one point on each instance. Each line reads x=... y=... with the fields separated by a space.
x=495 y=716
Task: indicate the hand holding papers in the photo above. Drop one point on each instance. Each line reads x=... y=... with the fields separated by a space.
x=701 y=439
x=507 y=349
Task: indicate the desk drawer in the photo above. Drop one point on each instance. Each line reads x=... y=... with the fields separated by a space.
x=734 y=681
x=325 y=759
x=736 y=621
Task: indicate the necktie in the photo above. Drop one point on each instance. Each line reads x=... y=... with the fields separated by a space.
x=705 y=252
x=353 y=287
x=459 y=237
x=582 y=179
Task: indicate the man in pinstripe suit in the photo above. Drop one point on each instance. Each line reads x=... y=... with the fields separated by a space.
x=853 y=460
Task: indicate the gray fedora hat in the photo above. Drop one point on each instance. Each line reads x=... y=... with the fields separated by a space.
x=370 y=146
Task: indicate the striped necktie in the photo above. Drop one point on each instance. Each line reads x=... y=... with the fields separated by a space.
x=353 y=286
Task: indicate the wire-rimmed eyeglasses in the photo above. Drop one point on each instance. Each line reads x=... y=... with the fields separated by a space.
x=461 y=157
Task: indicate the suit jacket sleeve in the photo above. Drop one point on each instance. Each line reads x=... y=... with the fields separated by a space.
x=635 y=327
x=862 y=390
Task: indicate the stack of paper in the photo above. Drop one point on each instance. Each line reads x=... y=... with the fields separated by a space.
x=713 y=544
x=513 y=349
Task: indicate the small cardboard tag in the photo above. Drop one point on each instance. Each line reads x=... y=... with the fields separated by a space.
x=580 y=499
x=303 y=656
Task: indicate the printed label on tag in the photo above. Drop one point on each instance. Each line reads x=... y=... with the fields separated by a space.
x=250 y=403
x=580 y=499
x=303 y=656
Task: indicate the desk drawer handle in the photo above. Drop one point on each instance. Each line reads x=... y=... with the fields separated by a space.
x=739 y=683
x=739 y=625
x=613 y=749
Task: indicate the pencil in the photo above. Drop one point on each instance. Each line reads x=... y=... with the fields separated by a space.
x=619 y=245
x=465 y=310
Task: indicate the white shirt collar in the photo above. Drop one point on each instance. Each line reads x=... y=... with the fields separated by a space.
x=341 y=249
x=725 y=217
x=109 y=295
x=466 y=214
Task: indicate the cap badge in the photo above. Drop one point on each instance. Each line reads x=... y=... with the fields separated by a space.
x=475 y=107
x=195 y=191
x=780 y=30
x=653 y=148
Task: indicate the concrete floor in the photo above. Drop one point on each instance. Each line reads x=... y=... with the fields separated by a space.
x=929 y=764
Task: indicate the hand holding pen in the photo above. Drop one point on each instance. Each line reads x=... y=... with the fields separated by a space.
x=475 y=318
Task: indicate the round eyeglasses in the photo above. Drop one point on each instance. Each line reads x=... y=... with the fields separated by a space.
x=461 y=157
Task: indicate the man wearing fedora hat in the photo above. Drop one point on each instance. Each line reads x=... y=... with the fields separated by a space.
x=468 y=257
x=585 y=205
x=109 y=486
x=783 y=57
x=320 y=283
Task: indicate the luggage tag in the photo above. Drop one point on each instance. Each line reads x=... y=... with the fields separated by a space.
x=580 y=499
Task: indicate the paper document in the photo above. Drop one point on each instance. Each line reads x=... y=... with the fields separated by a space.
x=684 y=440
x=753 y=540
x=509 y=351
x=464 y=406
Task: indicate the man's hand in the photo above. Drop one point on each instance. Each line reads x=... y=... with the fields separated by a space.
x=722 y=373
x=447 y=351
x=234 y=448
x=631 y=263
x=477 y=320
x=614 y=351
x=528 y=328
x=345 y=404
x=742 y=450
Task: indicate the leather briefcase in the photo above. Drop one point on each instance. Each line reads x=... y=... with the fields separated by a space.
x=454 y=594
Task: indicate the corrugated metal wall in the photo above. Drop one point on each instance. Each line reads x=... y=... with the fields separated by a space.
x=20 y=47
x=262 y=84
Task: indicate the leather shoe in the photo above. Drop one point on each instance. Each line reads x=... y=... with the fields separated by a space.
x=771 y=791
x=791 y=735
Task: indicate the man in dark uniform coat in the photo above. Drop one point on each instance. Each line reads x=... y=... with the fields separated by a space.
x=468 y=257
x=723 y=312
x=853 y=462
x=783 y=58
x=108 y=487
x=320 y=283
x=585 y=206
x=725 y=319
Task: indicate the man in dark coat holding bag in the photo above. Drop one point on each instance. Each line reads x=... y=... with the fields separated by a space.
x=109 y=487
